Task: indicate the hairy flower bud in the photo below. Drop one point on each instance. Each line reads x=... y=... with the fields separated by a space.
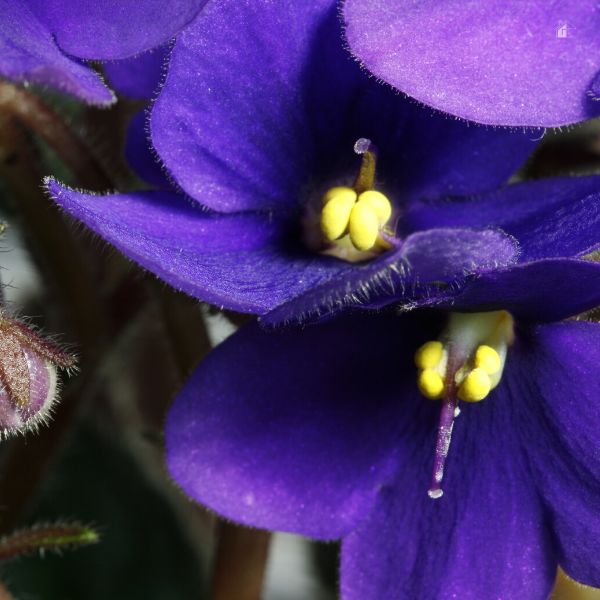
x=28 y=379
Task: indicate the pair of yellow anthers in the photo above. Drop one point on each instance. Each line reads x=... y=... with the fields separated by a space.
x=482 y=339
x=474 y=379
x=359 y=216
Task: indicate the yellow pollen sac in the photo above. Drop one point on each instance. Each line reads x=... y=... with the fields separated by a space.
x=475 y=387
x=364 y=226
x=336 y=214
x=379 y=203
x=487 y=358
x=336 y=192
x=431 y=385
x=429 y=355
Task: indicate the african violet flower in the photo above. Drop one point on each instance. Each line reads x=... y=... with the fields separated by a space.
x=258 y=130
x=47 y=41
x=506 y=63
x=322 y=431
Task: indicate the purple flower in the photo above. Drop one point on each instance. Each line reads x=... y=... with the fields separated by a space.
x=322 y=431
x=48 y=41
x=505 y=63
x=258 y=130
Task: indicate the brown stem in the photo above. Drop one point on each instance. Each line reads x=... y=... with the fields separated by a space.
x=37 y=117
x=240 y=562
x=54 y=245
x=5 y=594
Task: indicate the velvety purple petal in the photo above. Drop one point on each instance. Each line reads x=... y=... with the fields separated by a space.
x=139 y=77
x=484 y=539
x=541 y=291
x=140 y=155
x=549 y=218
x=505 y=63
x=423 y=260
x=114 y=29
x=244 y=261
x=557 y=378
x=300 y=105
x=296 y=430
x=28 y=53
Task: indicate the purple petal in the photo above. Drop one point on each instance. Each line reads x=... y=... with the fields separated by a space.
x=424 y=258
x=28 y=53
x=139 y=77
x=296 y=430
x=542 y=291
x=557 y=379
x=114 y=29
x=549 y=218
x=484 y=539
x=240 y=261
x=501 y=64
x=300 y=105
x=141 y=157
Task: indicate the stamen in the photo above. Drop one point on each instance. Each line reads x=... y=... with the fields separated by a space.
x=429 y=355
x=431 y=384
x=475 y=387
x=355 y=218
x=380 y=205
x=487 y=358
x=365 y=180
x=339 y=203
x=364 y=226
x=465 y=363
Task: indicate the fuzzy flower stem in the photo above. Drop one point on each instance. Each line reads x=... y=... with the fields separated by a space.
x=37 y=117
x=56 y=251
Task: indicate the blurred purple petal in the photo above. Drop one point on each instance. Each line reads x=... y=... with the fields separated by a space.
x=139 y=77
x=28 y=53
x=483 y=540
x=558 y=380
x=141 y=156
x=540 y=291
x=114 y=29
x=300 y=105
x=296 y=430
x=550 y=218
x=239 y=261
x=424 y=259
x=505 y=63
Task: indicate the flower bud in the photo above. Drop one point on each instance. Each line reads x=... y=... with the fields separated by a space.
x=28 y=380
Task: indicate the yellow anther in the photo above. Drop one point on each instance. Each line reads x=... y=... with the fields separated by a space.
x=364 y=226
x=429 y=355
x=335 y=216
x=379 y=203
x=487 y=358
x=475 y=387
x=431 y=385
x=336 y=192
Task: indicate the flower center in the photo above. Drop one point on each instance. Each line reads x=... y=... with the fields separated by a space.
x=352 y=219
x=465 y=363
